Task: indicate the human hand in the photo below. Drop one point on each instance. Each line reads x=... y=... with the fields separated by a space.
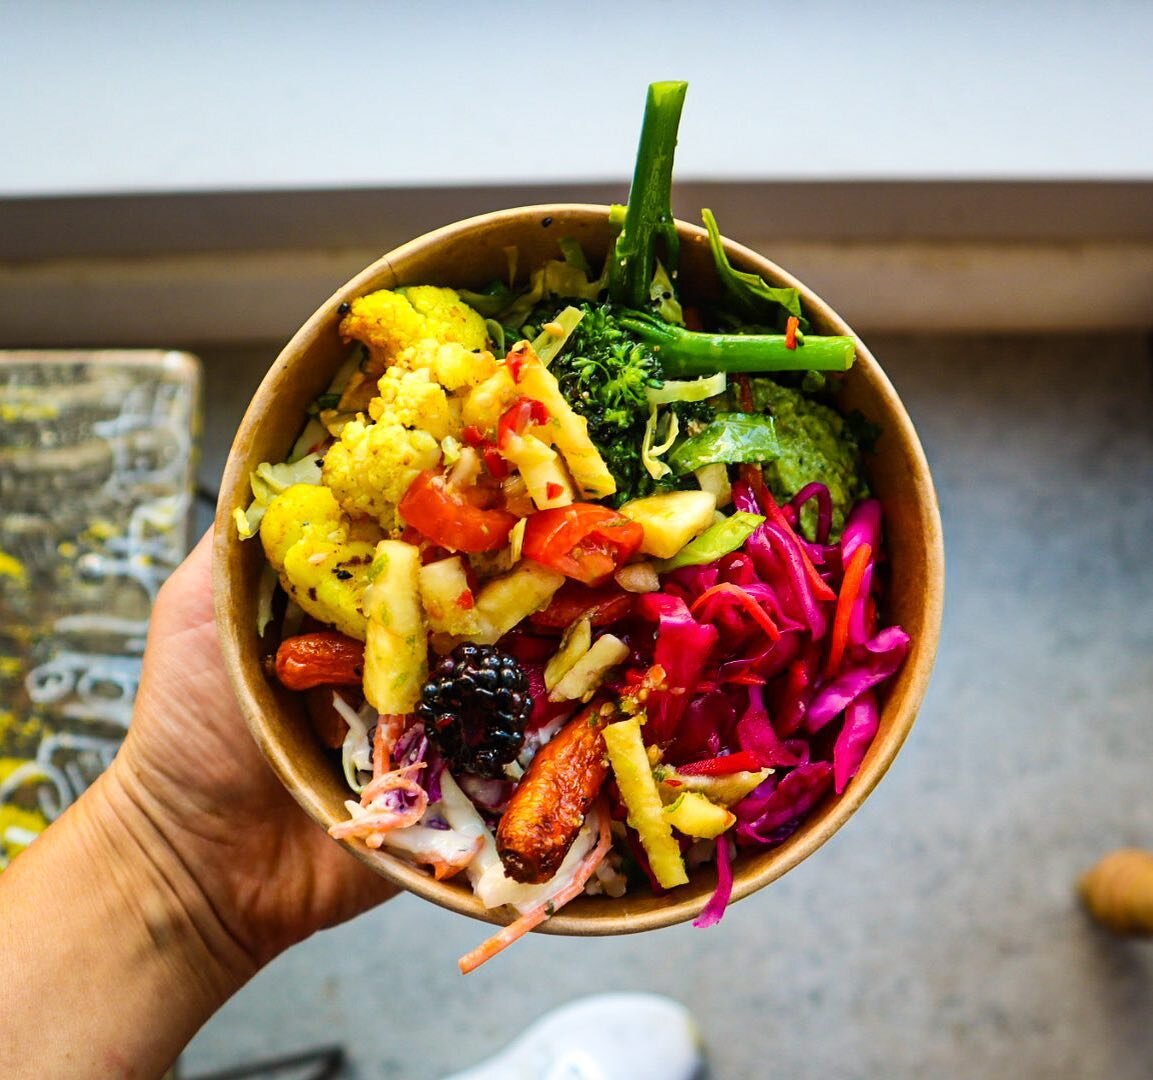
x=171 y=881
x=270 y=875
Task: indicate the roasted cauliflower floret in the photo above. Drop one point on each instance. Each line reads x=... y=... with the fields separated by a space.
x=450 y=363
x=411 y=399
x=371 y=467
x=290 y=513
x=391 y=320
x=306 y=539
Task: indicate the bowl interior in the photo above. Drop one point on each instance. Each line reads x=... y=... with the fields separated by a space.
x=472 y=253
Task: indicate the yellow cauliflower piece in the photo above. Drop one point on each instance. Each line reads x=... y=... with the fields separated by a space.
x=290 y=513
x=392 y=320
x=371 y=467
x=306 y=539
x=411 y=399
x=450 y=363
x=451 y=317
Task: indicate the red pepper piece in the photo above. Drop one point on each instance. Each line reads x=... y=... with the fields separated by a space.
x=726 y=765
x=791 y=326
x=603 y=606
x=518 y=416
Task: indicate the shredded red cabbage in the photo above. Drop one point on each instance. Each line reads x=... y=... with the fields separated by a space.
x=412 y=747
x=872 y=664
x=756 y=734
x=771 y=819
x=820 y=494
x=712 y=912
x=683 y=649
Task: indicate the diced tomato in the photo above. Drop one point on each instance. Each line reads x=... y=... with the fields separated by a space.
x=496 y=465
x=583 y=541
x=741 y=761
x=442 y=514
x=604 y=606
x=518 y=416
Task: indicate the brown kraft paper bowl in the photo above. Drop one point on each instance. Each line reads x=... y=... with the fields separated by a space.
x=470 y=254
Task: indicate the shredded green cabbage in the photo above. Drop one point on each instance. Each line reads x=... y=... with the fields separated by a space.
x=268 y=481
x=650 y=454
x=687 y=389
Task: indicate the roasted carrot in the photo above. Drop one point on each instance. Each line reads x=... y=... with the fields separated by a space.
x=546 y=812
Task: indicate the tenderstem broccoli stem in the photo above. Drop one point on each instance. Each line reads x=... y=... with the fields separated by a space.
x=685 y=352
x=649 y=216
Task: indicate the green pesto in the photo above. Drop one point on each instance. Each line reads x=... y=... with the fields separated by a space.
x=816 y=445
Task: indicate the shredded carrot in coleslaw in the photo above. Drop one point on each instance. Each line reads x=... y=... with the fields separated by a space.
x=850 y=589
x=389 y=727
x=536 y=915
x=372 y=818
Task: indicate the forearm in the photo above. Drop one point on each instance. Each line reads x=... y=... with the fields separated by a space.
x=110 y=959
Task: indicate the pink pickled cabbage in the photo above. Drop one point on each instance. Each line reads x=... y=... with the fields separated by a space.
x=683 y=648
x=819 y=494
x=756 y=734
x=854 y=739
x=874 y=662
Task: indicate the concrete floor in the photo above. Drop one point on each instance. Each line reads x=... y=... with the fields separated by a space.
x=938 y=934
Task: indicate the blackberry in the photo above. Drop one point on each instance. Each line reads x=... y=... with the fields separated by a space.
x=475 y=706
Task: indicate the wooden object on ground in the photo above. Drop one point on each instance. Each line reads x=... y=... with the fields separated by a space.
x=1118 y=892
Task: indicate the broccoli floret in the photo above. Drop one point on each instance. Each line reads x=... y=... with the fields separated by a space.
x=604 y=372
